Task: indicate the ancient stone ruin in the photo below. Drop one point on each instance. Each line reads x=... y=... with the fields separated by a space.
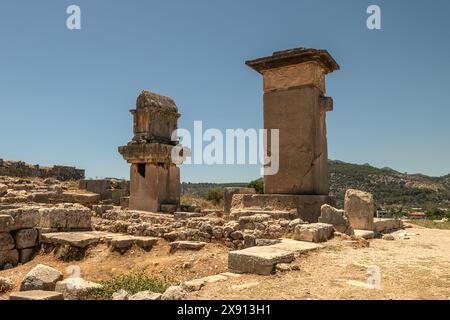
x=154 y=178
x=260 y=233
x=295 y=103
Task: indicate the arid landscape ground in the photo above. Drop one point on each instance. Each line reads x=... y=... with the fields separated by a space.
x=414 y=268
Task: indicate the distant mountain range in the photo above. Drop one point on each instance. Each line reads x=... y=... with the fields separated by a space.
x=389 y=187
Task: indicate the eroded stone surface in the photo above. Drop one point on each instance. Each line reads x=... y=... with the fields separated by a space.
x=359 y=206
x=36 y=295
x=314 y=232
x=41 y=277
x=338 y=218
x=186 y=245
x=26 y=238
x=76 y=288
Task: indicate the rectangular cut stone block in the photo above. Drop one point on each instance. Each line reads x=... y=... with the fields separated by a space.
x=26 y=255
x=6 y=241
x=359 y=206
x=6 y=222
x=386 y=225
x=314 y=232
x=228 y=196
x=259 y=260
x=66 y=218
x=307 y=206
x=36 y=295
x=26 y=238
x=9 y=257
x=76 y=239
x=366 y=234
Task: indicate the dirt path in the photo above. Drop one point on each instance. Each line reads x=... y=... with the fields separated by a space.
x=417 y=268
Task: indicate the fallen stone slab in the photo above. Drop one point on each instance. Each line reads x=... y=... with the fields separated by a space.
x=36 y=295
x=262 y=260
x=145 y=295
x=259 y=260
x=314 y=232
x=76 y=288
x=387 y=225
x=297 y=247
x=186 y=245
x=145 y=243
x=194 y=285
x=121 y=243
x=365 y=234
x=75 y=239
x=41 y=277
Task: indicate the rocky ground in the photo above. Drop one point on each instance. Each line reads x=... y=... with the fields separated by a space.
x=415 y=267
x=191 y=250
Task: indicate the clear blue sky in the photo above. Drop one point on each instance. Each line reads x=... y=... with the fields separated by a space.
x=65 y=95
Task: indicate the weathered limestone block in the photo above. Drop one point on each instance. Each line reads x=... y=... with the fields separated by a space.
x=41 y=277
x=174 y=293
x=36 y=295
x=3 y=189
x=359 y=206
x=26 y=255
x=76 y=288
x=6 y=222
x=314 y=232
x=338 y=218
x=228 y=196
x=6 y=285
x=9 y=257
x=26 y=238
x=24 y=217
x=186 y=245
x=6 y=241
x=146 y=295
x=120 y=295
x=387 y=225
x=66 y=218
x=259 y=260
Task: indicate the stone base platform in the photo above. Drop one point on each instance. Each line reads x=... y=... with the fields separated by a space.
x=292 y=206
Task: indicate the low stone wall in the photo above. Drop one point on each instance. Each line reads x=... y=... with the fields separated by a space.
x=108 y=189
x=244 y=232
x=19 y=236
x=22 y=169
x=21 y=228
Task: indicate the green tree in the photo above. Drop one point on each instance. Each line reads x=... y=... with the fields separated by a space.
x=258 y=185
x=215 y=195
